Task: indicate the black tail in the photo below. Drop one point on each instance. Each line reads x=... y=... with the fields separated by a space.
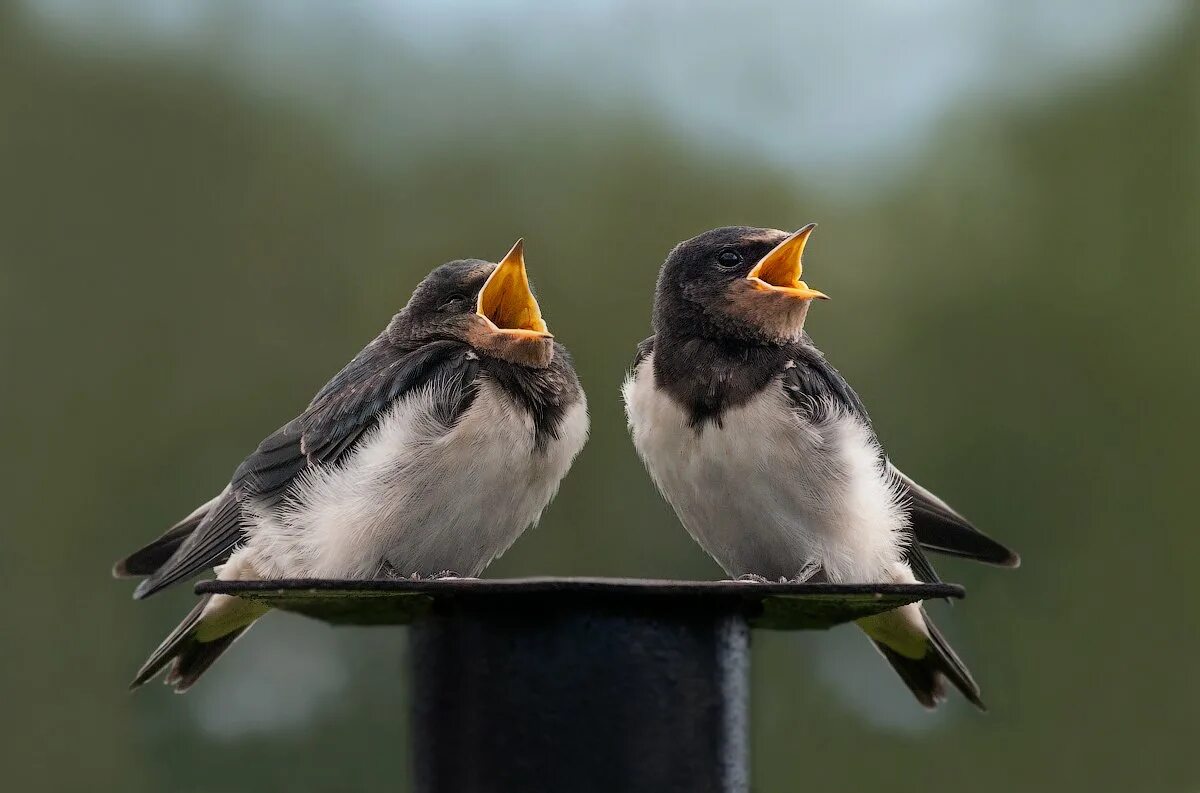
x=147 y=559
x=186 y=655
x=925 y=676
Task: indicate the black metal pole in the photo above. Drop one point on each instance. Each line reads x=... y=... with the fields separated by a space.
x=580 y=684
x=633 y=696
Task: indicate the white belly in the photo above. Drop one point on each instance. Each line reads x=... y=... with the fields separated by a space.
x=768 y=492
x=421 y=498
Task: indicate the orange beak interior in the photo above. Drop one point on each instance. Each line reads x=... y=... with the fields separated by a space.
x=781 y=268
x=506 y=300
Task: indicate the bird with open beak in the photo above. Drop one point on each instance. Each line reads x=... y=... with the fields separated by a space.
x=427 y=455
x=767 y=455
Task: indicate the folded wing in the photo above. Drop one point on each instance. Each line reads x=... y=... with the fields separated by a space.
x=349 y=406
x=938 y=527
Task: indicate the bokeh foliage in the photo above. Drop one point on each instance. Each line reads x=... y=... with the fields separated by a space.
x=181 y=265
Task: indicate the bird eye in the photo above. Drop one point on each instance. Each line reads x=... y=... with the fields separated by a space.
x=728 y=259
x=452 y=303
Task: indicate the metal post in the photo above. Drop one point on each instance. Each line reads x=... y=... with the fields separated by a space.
x=625 y=697
x=580 y=684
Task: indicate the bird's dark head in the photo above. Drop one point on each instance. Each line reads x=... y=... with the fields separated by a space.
x=736 y=282
x=488 y=306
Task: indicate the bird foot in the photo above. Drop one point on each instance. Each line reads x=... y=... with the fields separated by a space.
x=809 y=574
x=389 y=571
x=750 y=578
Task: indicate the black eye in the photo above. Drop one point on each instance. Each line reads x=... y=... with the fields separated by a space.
x=728 y=259
x=452 y=303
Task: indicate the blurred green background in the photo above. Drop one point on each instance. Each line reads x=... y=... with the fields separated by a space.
x=207 y=208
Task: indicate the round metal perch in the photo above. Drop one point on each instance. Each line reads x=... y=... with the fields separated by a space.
x=580 y=684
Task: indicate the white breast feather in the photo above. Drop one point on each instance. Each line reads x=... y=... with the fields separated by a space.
x=768 y=492
x=421 y=497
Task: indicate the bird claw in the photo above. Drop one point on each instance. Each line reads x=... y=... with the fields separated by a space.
x=811 y=573
x=750 y=578
x=389 y=571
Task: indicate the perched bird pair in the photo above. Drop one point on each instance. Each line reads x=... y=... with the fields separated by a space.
x=445 y=438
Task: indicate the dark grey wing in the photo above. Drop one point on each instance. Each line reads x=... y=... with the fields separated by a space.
x=936 y=526
x=919 y=562
x=145 y=560
x=349 y=406
x=809 y=380
x=210 y=543
x=644 y=348
x=939 y=528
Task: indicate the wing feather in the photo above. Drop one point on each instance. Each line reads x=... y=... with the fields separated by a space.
x=940 y=528
x=351 y=404
x=644 y=348
x=935 y=525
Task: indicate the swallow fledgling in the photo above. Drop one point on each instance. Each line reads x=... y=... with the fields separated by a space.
x=427 y=455
x=767 y=454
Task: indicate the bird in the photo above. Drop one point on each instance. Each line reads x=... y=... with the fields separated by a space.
x=768 y=456
x=425 y=457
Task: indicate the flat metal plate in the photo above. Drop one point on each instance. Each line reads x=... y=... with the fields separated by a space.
x=401 y=602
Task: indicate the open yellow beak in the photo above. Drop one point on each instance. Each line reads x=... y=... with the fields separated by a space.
x=506 y=301
x=780 y=269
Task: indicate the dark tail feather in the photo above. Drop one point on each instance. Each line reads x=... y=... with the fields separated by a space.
x=196 y=659
x=919 y=675
x=186 y=656
x=147 y=559
x=925 y=677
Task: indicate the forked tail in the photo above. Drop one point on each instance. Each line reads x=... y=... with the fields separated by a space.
x=924 y=662
x=198 y=641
